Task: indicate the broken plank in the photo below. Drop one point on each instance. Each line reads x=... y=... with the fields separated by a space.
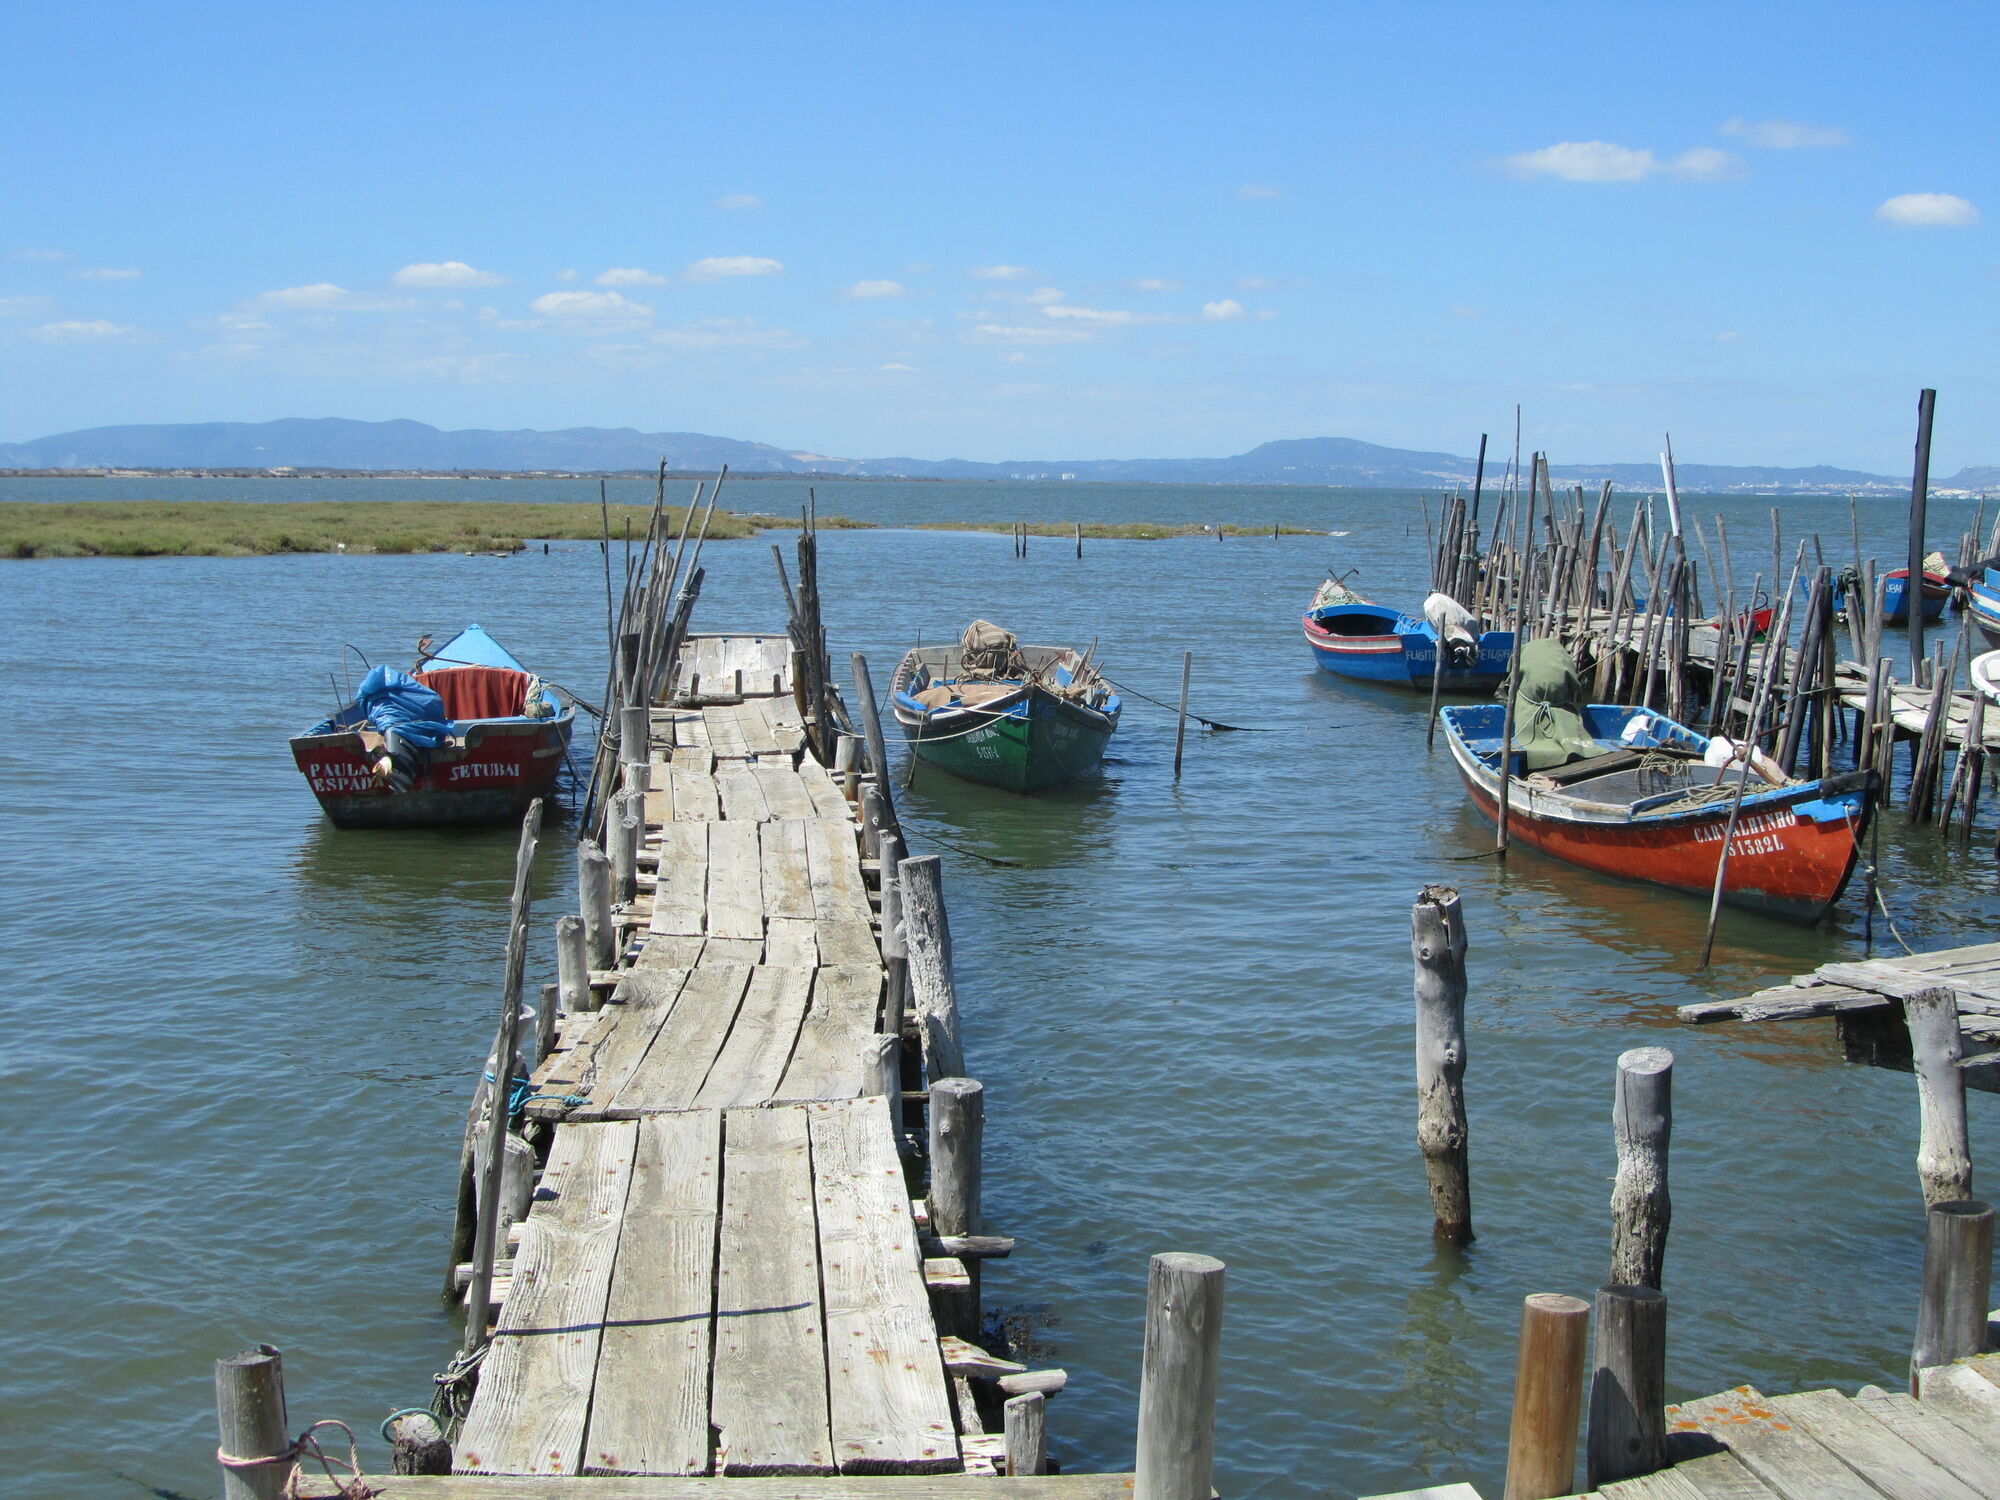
x=735 y=885
x=649 y=1412
x=725 y=732
x=1785 y=1002
x=769 y=1400
x=819 y=786
x=754 y=1058
x=534 y=1388
x=889 y=1406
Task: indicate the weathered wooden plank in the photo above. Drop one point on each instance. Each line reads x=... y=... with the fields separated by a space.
x=820 y=787
x=1869 y=1447
x=534 y=1388
x=1716 y=1476
x=725 y=731
x=834 y=862
x=1771 y=1447
x=769 y=1400
x=790 y=943
x=1785 y=1002
x=680 y=900
x=787 y=877
x=685 y=1046
x=660 y=799
x=741 y=794
x=1924 y=1426
x=753 y=1060
x=735 y=882
x=784 y=792
x=690 y=730
x=848 y=943
x=889 y=1404
x=845 y=1012
x=649 y=1412
x=1970 y=1403
x=695 y=799
x=659 y=1487
x=734 y=950
x=665 y=952
x=648 y=997
x=754 y=723
x=1905 y=980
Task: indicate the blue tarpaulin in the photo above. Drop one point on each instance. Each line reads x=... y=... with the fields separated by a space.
x=396 y=702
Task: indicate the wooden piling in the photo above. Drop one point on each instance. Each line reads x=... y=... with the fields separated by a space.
x=1643 y=1122
x=634 y=731
x=1079 y=541
x=872 y=820
x=593 y=880
x=625 y=831
x=927 y=942
x=1958 y=1273
x=255 y=1450
x=957 y=1124
x=1627 y=1433
x=1548 y=1397
x=871 y=725
x=1024 y=1420
x=1177 y=1378
x=1944 y=1151
x=895 y=956
x=1180 y=721
x=573 y=967
x=1437 y=940
x=1920 y=478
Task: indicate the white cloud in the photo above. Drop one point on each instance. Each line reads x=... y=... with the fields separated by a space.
x=1602 y=161
x=1256 y=190
x=25 y=307
x=437 y=273
x=728 y=333
x=318 y=294
x=909 y=369
x=1041 y=296
x=715 y=267
x=630 y=276
x=1223 y=311
x=868 y=290
x=1729 y=337
x=1785 y=135
x=595 y=308
x=105 y=273
x=74 y=332
x=41 y=255
x=734 y=202
x=1933 y=210
x=1149 y=284
x=999 y=333
x=1102 y=317
x=1001 y=273
x=567 y=274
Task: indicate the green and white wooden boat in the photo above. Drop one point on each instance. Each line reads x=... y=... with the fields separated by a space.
x=1012 y=716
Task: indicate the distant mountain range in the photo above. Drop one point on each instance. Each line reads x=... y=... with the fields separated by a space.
x=336 y=443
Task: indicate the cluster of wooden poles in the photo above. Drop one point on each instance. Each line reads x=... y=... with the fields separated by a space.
x=1614 y=1386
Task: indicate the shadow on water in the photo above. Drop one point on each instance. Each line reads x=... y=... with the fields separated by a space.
x=1060 y=826
x=1438 y=1369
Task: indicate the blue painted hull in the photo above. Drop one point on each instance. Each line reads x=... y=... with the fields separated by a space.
x=1370 y=643
x=1982 y=601
x=1895 y=597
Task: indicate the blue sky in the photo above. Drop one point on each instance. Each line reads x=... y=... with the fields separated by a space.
x=1014 y=230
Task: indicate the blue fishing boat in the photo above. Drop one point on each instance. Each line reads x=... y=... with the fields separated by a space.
x=1354 y=637
x=1982 y=599
x=1895 y=588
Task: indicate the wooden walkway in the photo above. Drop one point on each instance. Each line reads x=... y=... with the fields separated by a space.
x=722 y=1271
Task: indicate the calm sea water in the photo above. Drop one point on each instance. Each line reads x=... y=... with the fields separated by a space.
x=240 y=1042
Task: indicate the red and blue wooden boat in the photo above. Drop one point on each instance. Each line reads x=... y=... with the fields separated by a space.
x=1647 y=807
x=1982 y=601
x=1895 y=588
x=470 y=736
x=1352 y=637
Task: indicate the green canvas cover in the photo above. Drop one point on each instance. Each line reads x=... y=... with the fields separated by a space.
x=1548 y=724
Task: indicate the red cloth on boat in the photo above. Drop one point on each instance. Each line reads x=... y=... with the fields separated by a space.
x=479 y=692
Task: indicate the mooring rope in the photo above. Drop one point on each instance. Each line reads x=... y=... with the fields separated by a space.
x=306 y=1446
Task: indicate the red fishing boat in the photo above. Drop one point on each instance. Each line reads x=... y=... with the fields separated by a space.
x=1631 y=793
x=470 y=736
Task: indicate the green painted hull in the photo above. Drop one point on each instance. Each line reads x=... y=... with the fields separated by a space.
x=1050 y=746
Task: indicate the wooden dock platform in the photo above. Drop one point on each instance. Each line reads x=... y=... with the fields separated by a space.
x=722 y=1271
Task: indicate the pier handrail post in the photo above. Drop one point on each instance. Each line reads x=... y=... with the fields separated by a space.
x=254 y=1449
x=573 y=967
x=634 y=729
x=1958 y=1273
x=872 y=822
x=844 y=768
x=1177 y=1378
x=895 y=957
x=593 y=881
x=957 y=1126
x=871 y=725
x=927 y=941
x=626 y=832
x=1437 y=941
x=1642 y=1120
x=1024 y=1420
x=1548 y=1397
x=485 y=1232
x=1920 y=478
x=1937 y=1044
x=1180 y=721
x=1628 y=1386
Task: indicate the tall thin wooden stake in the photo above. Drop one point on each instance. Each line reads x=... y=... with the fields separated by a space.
x=1643 y=1121
x=1180 y=723
x=1920 y=480
x=1437 y=940
x=1937 y=1045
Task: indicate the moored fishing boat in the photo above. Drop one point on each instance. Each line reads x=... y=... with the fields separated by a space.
x=1354 y=637
x=992 y=710
x=1628 y=792
x=1895 y=588
x=470 y=736
x=1980 y=582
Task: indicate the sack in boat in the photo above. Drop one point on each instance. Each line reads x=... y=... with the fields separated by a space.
x=985 y=650
x=1548 y=723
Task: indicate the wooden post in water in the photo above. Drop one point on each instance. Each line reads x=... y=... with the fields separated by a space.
x=1920 y=480
x=871 y=725
x=625 y=833
x=1024 y=1420
x=634 y=728
x=895 y=957
x=1643 y=1122
x=927 y=942
x=1548 y=1397
x=1628 y=1386
x=1180 y=721
x=957 y=1124
x=1176 y=1458
x=1437 y=940
x=1079 y=541
x=593 y=881
x=1937 y=1044
x=845 y=769
x=872 y=822
x=1958 y=1273
x=255 y=1450
x=573 y=967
